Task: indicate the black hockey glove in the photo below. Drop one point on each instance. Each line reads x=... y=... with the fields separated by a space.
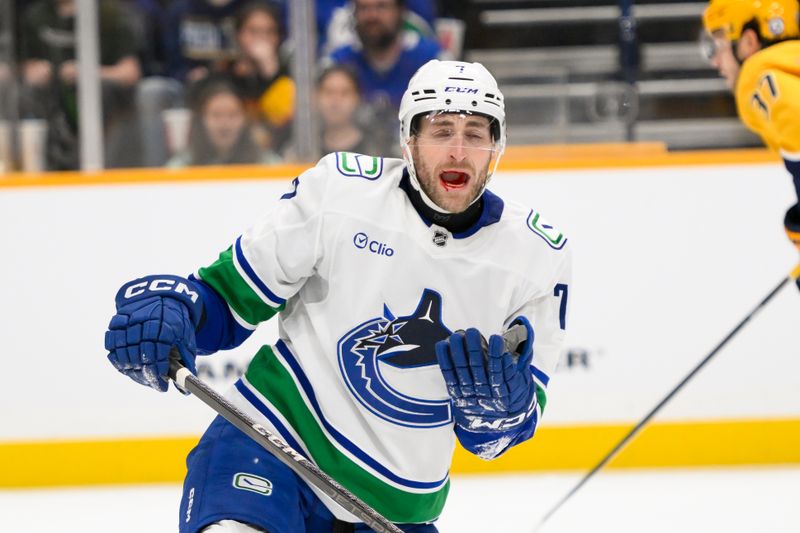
x=791 y=222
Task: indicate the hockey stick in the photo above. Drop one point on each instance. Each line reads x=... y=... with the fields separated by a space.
x=308 y=471
x=794 y=275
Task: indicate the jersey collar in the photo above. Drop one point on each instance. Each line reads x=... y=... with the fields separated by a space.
x=491 y=209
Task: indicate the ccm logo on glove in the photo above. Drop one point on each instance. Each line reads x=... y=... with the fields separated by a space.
x=160 y=285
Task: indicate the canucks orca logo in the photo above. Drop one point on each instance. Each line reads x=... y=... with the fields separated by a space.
x=401 y=342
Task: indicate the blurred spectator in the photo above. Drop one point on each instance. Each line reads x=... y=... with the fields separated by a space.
x=6 y=159
x=338 y=99
x=384 y=58
x=5 y=77
x=200 y=39
x=156 y=92
x=257 y=70
x=220 y=132
x=335 y=21
x=49 y=72
x=198 y=33
x=149 y=20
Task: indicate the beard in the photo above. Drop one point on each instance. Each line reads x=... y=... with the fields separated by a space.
x=429 y=183
x=379 y=39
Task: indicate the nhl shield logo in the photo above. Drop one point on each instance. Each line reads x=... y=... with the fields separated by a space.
x=402 y=343
x=439 y=238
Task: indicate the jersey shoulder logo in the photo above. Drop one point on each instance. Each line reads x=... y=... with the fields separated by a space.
x=369 y=167
x=401 y=342
x=551 y=235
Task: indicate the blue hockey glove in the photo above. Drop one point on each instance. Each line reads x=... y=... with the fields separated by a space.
x=490 y=388
x=154 y=314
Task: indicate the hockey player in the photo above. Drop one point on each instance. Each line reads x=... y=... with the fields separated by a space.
x=754 y=46
x=385 y=275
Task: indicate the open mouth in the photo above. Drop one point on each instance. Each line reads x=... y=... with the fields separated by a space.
x=453 y=179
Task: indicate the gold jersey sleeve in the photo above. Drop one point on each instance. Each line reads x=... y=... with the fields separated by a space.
x=768 y=96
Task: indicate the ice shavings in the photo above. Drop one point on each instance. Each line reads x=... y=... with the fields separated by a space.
x=490 y=450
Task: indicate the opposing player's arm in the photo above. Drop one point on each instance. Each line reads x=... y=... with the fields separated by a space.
x=499 y=398
x=785 y=120
x=784 y=117
x=770 y=106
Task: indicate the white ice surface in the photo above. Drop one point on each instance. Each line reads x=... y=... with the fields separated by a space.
x=673 y=501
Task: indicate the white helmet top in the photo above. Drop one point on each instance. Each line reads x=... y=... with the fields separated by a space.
x=451 y=87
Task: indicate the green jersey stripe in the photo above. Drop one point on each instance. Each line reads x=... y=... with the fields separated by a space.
x=276 y=384
x=541 y=396
x=241 y=321
x=224 y=278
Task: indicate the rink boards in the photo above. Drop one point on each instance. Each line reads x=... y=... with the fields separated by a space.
x=670 y=252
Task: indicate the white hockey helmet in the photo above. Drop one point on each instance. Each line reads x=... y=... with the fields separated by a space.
x=451 y=87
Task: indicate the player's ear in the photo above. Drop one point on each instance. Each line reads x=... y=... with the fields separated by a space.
x=748 y=44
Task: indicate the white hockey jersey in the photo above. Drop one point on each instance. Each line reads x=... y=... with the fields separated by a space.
x=364 y=287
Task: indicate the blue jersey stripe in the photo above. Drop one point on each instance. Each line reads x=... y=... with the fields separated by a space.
x=541 y=376
x=341 y=439
x=254 y=277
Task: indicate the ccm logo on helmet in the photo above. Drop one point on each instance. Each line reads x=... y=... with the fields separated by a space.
x=467 y=90
x=362 y=241
x=160 y=285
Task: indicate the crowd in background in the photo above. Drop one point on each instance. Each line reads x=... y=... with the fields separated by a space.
x=206 y=82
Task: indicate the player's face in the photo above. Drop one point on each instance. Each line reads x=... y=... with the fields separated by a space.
x=452 y=154
x=722 y=57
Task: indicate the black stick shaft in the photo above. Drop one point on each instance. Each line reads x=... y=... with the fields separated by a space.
x=301 y=466
x=632 y=433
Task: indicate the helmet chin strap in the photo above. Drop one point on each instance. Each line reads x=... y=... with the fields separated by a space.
x=412 y=173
